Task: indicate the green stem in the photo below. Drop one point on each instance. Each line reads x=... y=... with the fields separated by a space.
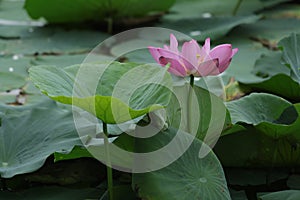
x=236 y=8
x=108 y=164
x=190 y=107
x=110 y=25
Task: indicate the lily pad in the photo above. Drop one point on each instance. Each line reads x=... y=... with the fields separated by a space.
x=29 y=136
x=188 y=177
x=269 y=107
x=291 y=47
x=52 y=41
x=55 y=11
x=115 y=94
x=10 y=81
x=207 y=109
x=202 y=28
x=277 y=72
x=205 y=9
x=270 y=31
x=15 y=64
x=277 y=117
x=280 y=84
x=287 y=194
x=271 y=125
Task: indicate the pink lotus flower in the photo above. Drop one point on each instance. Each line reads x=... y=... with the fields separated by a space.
x=193 y=60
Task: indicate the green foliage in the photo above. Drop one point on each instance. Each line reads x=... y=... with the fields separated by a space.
x=202 y=28
x=291 y=47
x=259 y=130
x=288 y=195
x=278 y=72
x=28 y=137
x=270 y=134
x=56 y=11
x=188 y=177
x=140 y=83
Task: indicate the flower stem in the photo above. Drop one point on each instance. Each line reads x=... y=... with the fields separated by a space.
x=108 y=164
x=110 y=25
x=236 y=8
x=190 y=109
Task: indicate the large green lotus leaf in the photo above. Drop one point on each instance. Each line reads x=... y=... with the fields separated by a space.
x=13 y=10
x=19 y=99
x=67 y=60
x=115 y=95
x=290 y=10
x=270 y=31
x=55 y=11
x=291 y=49
x=258 y=149
x=28 y=137
x=257 y=108
x=77 y=152
x=280 y=84
x=188 y=177
x=10 y=81
x=286 y=194
x=208 y=113
x=203 y=8
x=270 y=64
x=271 y=138
x=271 y=115
x=202 y=28
x=15 y=64
x=287 y=125
x=53 y=193
x=274 y=77
x=52 y=41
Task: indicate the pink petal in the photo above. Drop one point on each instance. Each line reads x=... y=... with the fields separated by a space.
x=206 y=45
x=223 y=53
x=190 y=51
x=175 y=67
x=234 y=51
x=168 y=54
x=222 y=68
x=208 y=68
x=166 y=47
x=173 y=43
x=154 y=52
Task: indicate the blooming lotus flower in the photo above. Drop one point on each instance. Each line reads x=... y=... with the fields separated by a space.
x=193 y=60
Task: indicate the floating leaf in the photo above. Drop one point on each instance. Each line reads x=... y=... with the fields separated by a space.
x=206 y=9
x=55 y=11
x=10 y=81
x=202 y=28
x=188 y=177
x=28 y=137
x=270 y=136
x=77 y=152
x=117 y=94
x=291 y=49
x=52 y=41
x=270 y=31
x=269 y=107
x=207 y=109
x=274 y=77
x=287 y=194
